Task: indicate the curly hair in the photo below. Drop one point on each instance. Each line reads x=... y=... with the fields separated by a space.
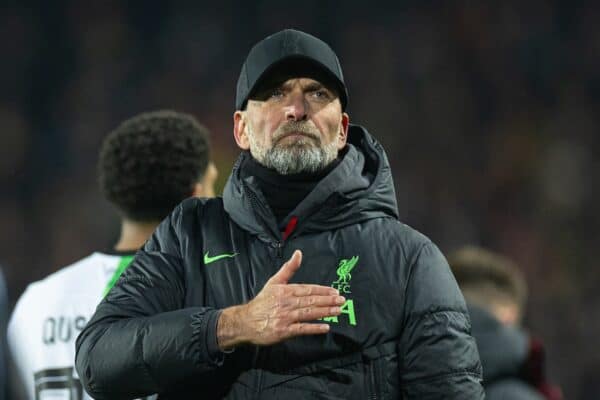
x=151 y=162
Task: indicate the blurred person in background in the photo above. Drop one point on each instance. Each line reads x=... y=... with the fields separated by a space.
x=496 y=293
x=147 y=165
x=3 y=320
x=211 y=308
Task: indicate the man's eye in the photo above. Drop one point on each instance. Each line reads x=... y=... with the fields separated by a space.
x=276 y=93
x=320 y=94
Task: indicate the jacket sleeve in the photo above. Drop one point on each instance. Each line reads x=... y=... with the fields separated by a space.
x=439 y=358
x=140 y=340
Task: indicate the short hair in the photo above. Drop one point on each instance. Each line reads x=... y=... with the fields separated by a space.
x=151 y=162
x=487 y=278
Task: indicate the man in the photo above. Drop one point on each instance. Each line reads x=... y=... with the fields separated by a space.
x=364 y=306
x=147 y=166
x=496 y=293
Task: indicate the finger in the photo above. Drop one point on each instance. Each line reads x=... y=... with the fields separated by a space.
x=314 y=313
x=288 y=269
x=298 y=289
x=320 y=301
x=302 y=329
x=312 y=301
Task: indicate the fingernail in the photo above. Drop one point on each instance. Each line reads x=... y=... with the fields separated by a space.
x=340 y=299
x=335 y=310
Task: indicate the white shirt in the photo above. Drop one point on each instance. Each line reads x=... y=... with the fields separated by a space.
x=48 y=318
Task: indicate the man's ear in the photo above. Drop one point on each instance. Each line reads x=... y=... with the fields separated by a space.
x=343 y=136
x=198 y=190
x=508 y=314
x=239 y=130
x=206 y=187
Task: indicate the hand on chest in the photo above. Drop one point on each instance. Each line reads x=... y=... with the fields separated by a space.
x=235 y=275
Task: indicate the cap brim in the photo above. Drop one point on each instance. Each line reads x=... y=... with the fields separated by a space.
x=298 y=66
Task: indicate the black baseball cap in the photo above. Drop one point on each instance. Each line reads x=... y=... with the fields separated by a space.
x=298 y=54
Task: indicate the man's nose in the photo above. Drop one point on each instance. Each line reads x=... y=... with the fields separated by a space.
x=296 y=108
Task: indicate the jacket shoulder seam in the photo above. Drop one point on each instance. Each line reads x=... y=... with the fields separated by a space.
x=138 y=278
x=467 y=372
x=427 y=313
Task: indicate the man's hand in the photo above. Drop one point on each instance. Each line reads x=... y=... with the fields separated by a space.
x=280 y=311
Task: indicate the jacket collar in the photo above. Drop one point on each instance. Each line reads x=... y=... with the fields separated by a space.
x=359 y=188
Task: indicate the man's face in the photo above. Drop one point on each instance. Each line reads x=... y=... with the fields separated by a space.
x=292 y=127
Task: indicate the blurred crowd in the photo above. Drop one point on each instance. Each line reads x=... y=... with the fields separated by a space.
x=488 y=111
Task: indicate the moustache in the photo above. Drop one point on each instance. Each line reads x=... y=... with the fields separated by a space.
x=293 y=127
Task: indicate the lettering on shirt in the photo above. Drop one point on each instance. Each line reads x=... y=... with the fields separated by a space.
x=62 y=329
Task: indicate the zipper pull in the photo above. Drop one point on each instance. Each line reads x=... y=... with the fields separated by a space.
x=278 y=249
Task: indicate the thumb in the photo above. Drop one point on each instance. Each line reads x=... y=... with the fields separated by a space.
x=288 y=269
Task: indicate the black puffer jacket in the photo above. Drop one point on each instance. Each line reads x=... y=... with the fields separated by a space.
x=404 y=330
x=503 y=352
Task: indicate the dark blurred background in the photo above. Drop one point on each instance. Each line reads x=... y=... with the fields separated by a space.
x=488 y=111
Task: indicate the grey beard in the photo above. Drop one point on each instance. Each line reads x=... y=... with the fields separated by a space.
x=302 y=156
x=299 y=158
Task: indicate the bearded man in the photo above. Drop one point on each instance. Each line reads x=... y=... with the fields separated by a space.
x=300 y=282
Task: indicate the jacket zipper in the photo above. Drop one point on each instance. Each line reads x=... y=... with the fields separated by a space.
x=263 y=351
x=374 y=380
x=278 y=249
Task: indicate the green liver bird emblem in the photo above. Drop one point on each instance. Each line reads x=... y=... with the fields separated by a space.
x=344 y=275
